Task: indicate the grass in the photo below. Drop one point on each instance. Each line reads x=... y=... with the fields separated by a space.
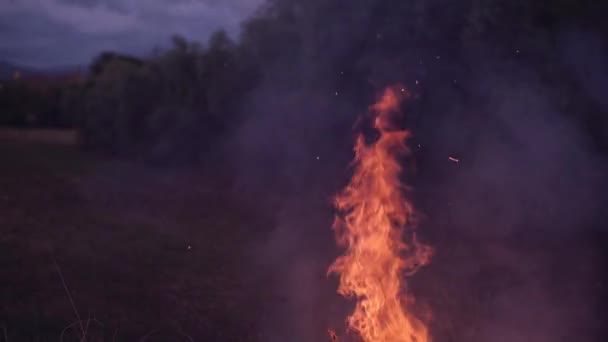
x=153 y=254
x=146 y=252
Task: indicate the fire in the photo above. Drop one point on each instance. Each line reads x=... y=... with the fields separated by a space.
x=374 y=225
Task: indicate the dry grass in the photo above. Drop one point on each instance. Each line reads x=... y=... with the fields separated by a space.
x=121 y=234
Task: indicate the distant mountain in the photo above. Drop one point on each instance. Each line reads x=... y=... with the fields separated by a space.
x=8 y=70
x=64 y=70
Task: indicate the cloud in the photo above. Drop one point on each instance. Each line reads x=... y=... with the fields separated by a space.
x=61 y=32
x=98 y=19
x=86 y=19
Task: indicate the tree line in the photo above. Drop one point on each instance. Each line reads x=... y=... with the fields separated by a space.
x=173 y=105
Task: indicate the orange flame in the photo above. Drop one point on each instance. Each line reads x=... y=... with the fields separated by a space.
x=374 y=224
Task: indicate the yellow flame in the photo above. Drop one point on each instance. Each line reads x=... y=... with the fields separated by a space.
x=374 y=225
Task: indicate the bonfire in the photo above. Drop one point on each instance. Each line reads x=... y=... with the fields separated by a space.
x=374 y=224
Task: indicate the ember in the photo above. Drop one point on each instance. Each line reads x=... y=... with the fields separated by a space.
x=374 y=225
x=332 y=335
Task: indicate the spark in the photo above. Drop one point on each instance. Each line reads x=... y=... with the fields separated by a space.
x=455 y=160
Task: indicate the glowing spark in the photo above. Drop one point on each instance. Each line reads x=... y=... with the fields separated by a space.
x=455 y=160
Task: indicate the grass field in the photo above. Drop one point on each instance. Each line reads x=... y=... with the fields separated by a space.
x=169 y=254
x=143 y=251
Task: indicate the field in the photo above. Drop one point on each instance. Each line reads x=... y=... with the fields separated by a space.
x=141 y=251
x=129 y=252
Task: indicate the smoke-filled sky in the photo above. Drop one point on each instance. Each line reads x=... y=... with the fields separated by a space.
x=49 y=33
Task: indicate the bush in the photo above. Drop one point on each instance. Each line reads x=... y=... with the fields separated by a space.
x=170 y=107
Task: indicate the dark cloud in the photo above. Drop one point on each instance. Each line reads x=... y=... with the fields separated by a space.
x=65 y=32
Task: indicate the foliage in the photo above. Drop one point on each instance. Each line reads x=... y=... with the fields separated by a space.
x=174 y=105
x=167 y=108
x=23 y=105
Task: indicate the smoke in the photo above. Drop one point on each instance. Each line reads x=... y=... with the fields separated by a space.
x=288 y=161
x=512 y=221
x=585 y=54
x=522 y=161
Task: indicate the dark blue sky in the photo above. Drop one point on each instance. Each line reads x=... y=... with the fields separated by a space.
x=51 y=33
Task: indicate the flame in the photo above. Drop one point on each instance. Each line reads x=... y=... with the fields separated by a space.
x=374 y=225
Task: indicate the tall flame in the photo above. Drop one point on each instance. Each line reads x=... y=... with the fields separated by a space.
x=374 y=225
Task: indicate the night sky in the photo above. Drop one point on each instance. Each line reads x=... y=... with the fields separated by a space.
x=56 y=33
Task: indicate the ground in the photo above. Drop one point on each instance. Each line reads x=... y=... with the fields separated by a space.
x=143 y=251
x=129 y=252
